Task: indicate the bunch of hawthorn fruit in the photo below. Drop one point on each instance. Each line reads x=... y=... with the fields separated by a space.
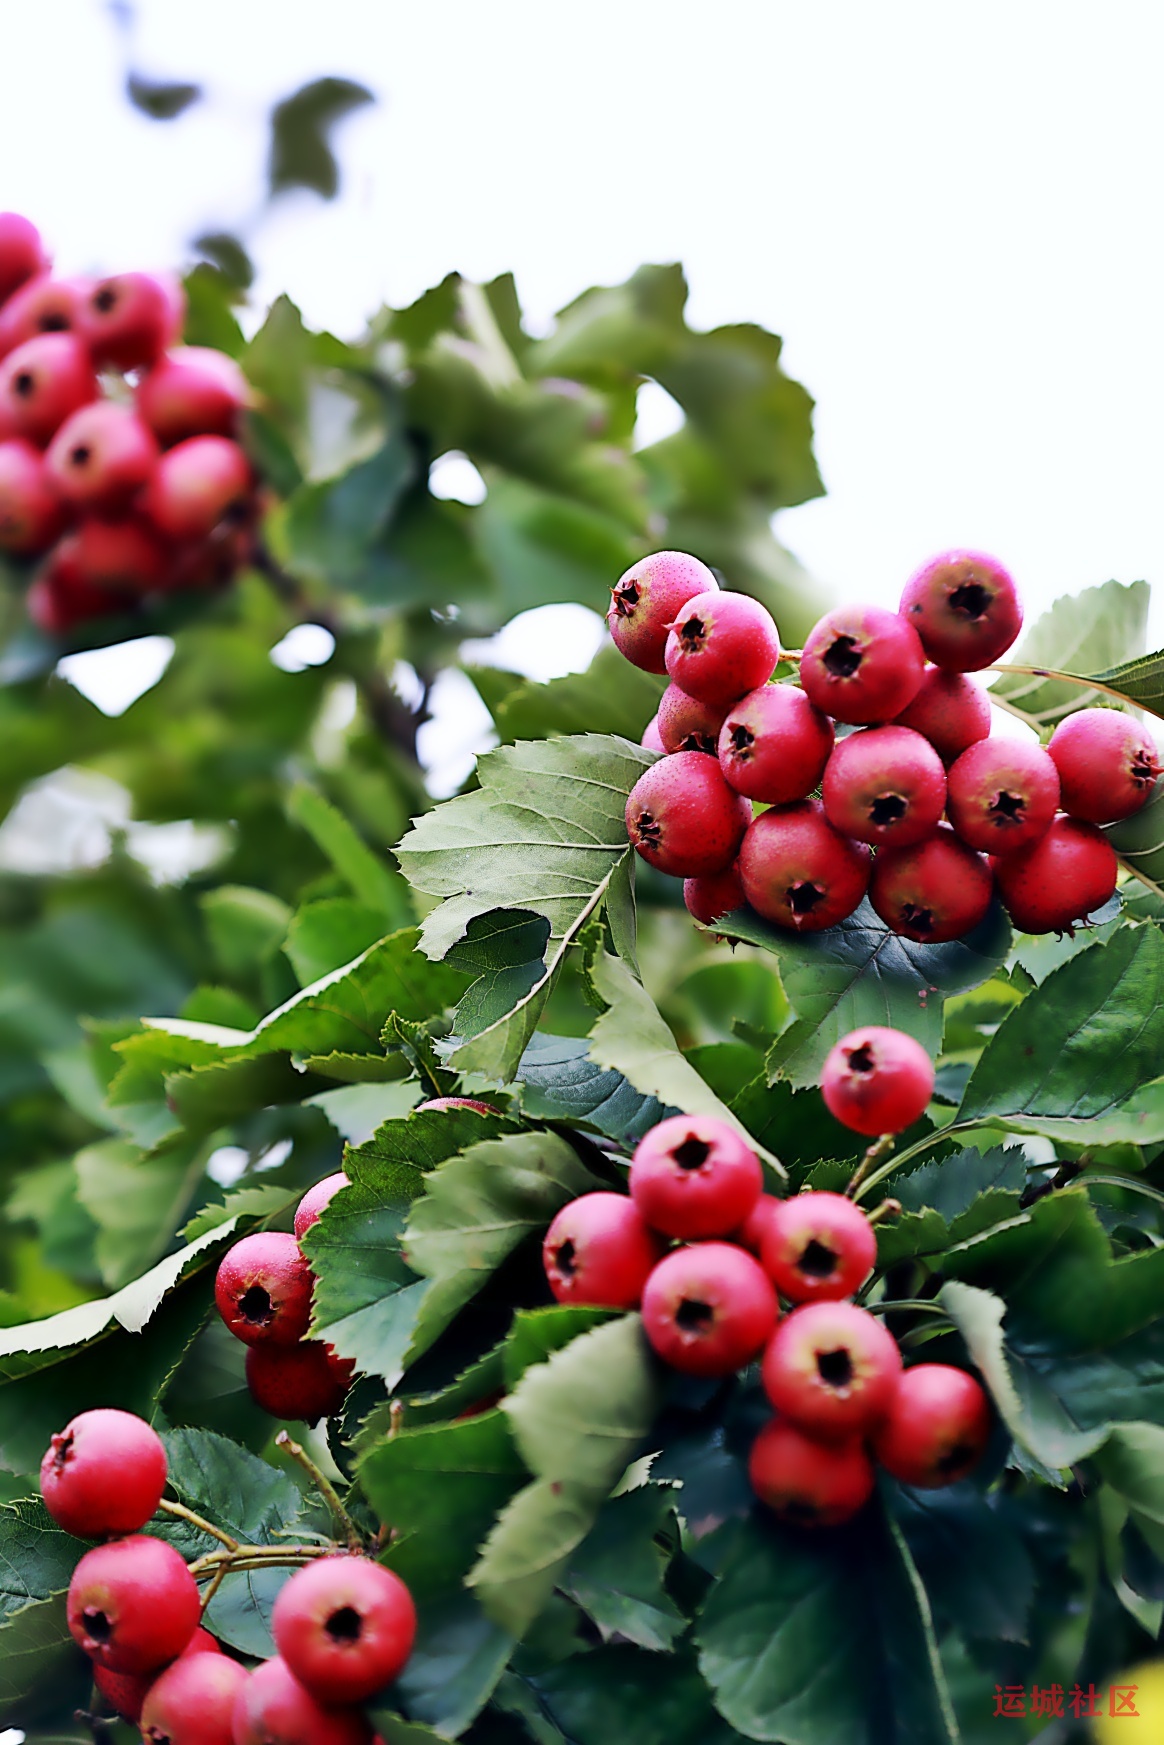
x=707 y=1255
x=343 y=1624
x=920 y=808
x=119 y=468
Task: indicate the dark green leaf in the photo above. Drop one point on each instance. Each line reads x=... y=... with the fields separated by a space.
x=972 y=1560
x=228 y=254
x=301 y=130
x=506 y=951
x=455 y=1663
x=609 y=697
x=37 y=1558
x=624 y=1693
x=616 y=1574
x=159 y=99
x=558 y=1081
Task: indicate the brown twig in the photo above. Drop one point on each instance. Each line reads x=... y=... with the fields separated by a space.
x=182 y=1513
x=326 y=1490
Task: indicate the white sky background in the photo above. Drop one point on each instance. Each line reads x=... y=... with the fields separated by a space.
x=951 y=214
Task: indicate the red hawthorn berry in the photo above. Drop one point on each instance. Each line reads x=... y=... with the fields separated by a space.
x=599 y=1250
x=686 y=724
x=133 y=1605
x=196 y=485
x=644 y=601
x=708 y=1309
x=818 y=1247
x=126 y=1692
x=193 y=391
x=345 y=1627
x=694 y=1176
x=774 y=744
x=1107 y=763
x=22 y=254
x=263 y=1289
x=308 y=1381
x=715 y=895
x=682 y=817
x=316 y=1198
x=798 y=871
x=884 y=785
x=1003 y=794
x=652 y=739
x=750 y=1234
x=808 y=1483
x=936 y=1427
x=104 y=1473
x=862 y=665
x=44 y=305
x=720 y=646
x=950 y=710
x=122 y=555
x=31 y=511
x=1059 y=880
x=932 y=891
x=101 y=456
x=877 y=1080
x=965 y=608
x=192 y=1703
x=128 y=321
x=41 y=382
x=831 y=1369
x=273 y=1708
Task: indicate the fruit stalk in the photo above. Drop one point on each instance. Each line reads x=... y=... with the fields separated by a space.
x=326 y=1490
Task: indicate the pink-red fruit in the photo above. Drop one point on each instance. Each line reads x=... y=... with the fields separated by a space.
x=933 y=892
x=1060 y=880
x=263 y=1289
x=307 y=1381
x=831 y=1368
x=652 y=739
x=196 y=485
x=104 y=1473
x=693 y=1176
x=192 y=1703
x=817 y=1247
x=876 y=1080
x=126 y=1692
x=273 y=1708
x=965 y=608
x=1107 y=763
x=861 y=665
x=720 y=646
x=682 y=817
x=1002 y=795
x=645 y=600
x=936 y=1427
x=715 y=895
x=708 y=1309
x=131 y=319
x=685 y=724
x=41 y=382
x=599 y=1250
x=950 y=710
x=118 y=554
x=752 y=1231
x=886 y=786
x=798 y=871
x=194 y=391
x=22 y=253
x=101 y=456
x=316 y=1198
x=31 y=511
x=43 y=306
x=808 y=1483
x=774 y=744
x=345 y=1627
x=133 y=1605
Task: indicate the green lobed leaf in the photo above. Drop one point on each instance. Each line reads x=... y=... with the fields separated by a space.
x=972 y=1559
x=611 y=696
x=1139 y=842
x=42 y=1671
x=505 y=951
x=616 y=1573
x=301 y=130
x=1079 y=633
x=623 y=1693
x=456 y=1660
x=37 y=1558
x=558 y=1081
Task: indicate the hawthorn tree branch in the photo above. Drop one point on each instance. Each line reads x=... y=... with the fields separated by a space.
x=326 y=1490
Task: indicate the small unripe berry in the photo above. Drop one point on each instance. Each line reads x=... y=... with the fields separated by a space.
x=708 y=1309
x=316 y=1198
x=720 y=646
x=41 y=382
x=682 y=817
x=808 y=1483
x=685 y=724
x=307 y=1381
x=861 y=664
x=774 y=744
x=193 y=391
x=950 y=710
x=1059 y=880
x=876 y=1080
x=31 y=511
x=934 y=891
x=22 y=254
x=645 y=600
x=694 y=1176
x=886 y=785
x=345 y=1627
x=798 y=871
x=818 y=1247
x=43 y=306
x=104 y=1473
x=133 y=1605
x=936 y=1427
x=831 y=1368
x=1107 y=763
x=126 y=1692
x=263 y=1289
x=600 y=1251
x=1002 y=795
x=273 y=1708
x=101 y=456
x=196 y=485
x=652 y=739
x=715 y=895
x=965 y=608
x=192 y=1703
x=129 y=320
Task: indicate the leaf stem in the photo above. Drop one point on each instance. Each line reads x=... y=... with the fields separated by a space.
x=182 y=1513
x=911 y=1152
x=1049 y=672
x=326 y=1490
x=1123 y=1181
x=919 y=1305
x=877 y=1150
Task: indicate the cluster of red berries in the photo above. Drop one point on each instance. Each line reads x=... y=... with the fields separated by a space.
x=920 y=808
x=344 y=1626
x=123 y=489
x=830 y=1368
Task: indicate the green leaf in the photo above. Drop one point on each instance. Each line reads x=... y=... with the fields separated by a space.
x=972 y=1560
x=1081 y=633
x=860 y=973
x=159 y=99
x=42 y=1671
x=1131 y=1461
x=1139 y=841
x=37 y=1558
x=245 y=926
x=505 y=950
x=136 y=1201
x=616 y=1574
x=622 y=1693
x=1140 y=680
x=558 y=1081
x=609 y=697
x=952 y=1185
x=301 y=130
x=458 y=1656
x=371 y=881
x=1070 y=1061
x=546 y=832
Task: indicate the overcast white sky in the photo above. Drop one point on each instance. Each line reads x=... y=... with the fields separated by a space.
x=952 y=214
